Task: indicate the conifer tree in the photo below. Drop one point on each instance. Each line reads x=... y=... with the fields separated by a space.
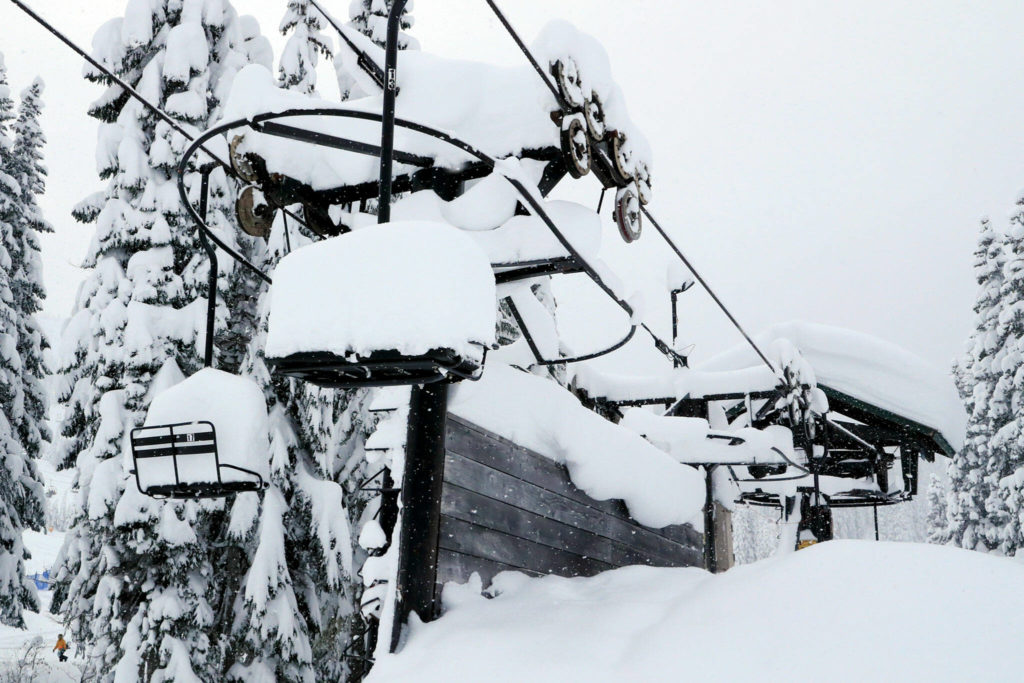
x=937 y=513
x=313 y=435
x=1006 y=409
x=985 y=390
x=297 y=67
x=27 y=274
x=137 y=583
x=370 y=17
x=20 y=489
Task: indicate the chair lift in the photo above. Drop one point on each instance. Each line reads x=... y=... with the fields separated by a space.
x=586 y=143
x=162 y=453
x=176 y=455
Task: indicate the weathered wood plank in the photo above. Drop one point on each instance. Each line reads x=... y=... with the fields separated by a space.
x=456 y=566
x=487 y=448
x=684 y=534
x=484 y=543
x=476 y=508
x=471 y=475
x=501 y=454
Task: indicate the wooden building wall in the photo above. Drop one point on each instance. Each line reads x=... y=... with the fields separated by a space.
x=505 y=507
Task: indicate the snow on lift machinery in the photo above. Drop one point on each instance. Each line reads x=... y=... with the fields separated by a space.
x=586 y=143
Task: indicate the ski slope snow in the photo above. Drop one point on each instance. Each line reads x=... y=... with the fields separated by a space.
x=839 y=611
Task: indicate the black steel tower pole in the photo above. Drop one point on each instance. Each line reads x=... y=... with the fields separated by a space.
x=421 y=505
x=710 y=532
x=211 y=252
x=387 y=126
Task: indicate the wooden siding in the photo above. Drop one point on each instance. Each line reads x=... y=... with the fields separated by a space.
x=505 y=507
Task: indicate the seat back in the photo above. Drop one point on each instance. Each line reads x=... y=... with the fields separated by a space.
x=169 y=457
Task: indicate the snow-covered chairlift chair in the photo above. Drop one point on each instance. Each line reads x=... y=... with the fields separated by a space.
x=400 y=303
x=205 y=437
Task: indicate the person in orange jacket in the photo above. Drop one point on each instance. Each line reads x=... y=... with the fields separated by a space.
x=62 y=648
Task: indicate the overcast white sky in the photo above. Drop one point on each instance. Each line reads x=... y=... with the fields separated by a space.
x=818 y=160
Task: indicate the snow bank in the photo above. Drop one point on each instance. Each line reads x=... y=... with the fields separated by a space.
x=869 y=369
x=604 y=460
x=839 y=611
x=236 y=407
x=691 y=440
x=409 y=286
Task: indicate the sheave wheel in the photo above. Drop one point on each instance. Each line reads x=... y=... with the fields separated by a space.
x=575 y=146
x=254 y=215
x=243 y=167
x=622 y=158
x=627 y=214
x=594 y=113
x=568 y=77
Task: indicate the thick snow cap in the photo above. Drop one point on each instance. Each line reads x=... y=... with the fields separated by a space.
x=238 y=411
x=868 y=369
x=408 y=286
x=604 y=460
x=499 y=110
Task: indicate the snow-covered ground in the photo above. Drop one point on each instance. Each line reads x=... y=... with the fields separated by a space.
x=841 y=611
x=19 y=652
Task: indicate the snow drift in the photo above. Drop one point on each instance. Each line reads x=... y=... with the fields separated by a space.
x=603 y=459
x=839 y=611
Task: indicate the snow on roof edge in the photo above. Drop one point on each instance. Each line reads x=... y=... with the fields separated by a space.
x=868 y=369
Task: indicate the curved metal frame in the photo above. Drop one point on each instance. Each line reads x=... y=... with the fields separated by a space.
x=529 y=199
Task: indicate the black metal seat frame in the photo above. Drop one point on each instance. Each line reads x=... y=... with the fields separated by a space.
x=174 y=445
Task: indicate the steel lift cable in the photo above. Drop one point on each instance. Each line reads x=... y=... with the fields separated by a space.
x=558 y=97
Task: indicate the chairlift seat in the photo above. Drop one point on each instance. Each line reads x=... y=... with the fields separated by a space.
x=181 y=461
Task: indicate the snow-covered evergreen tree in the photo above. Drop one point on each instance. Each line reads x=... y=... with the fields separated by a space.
x=137 y=582
x=937 y=514
x=297 y=67
x=27 y=275
x=370 y=17
x=1005 y=530
x=986 y=392
x=21 y=501
x=303 y=564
